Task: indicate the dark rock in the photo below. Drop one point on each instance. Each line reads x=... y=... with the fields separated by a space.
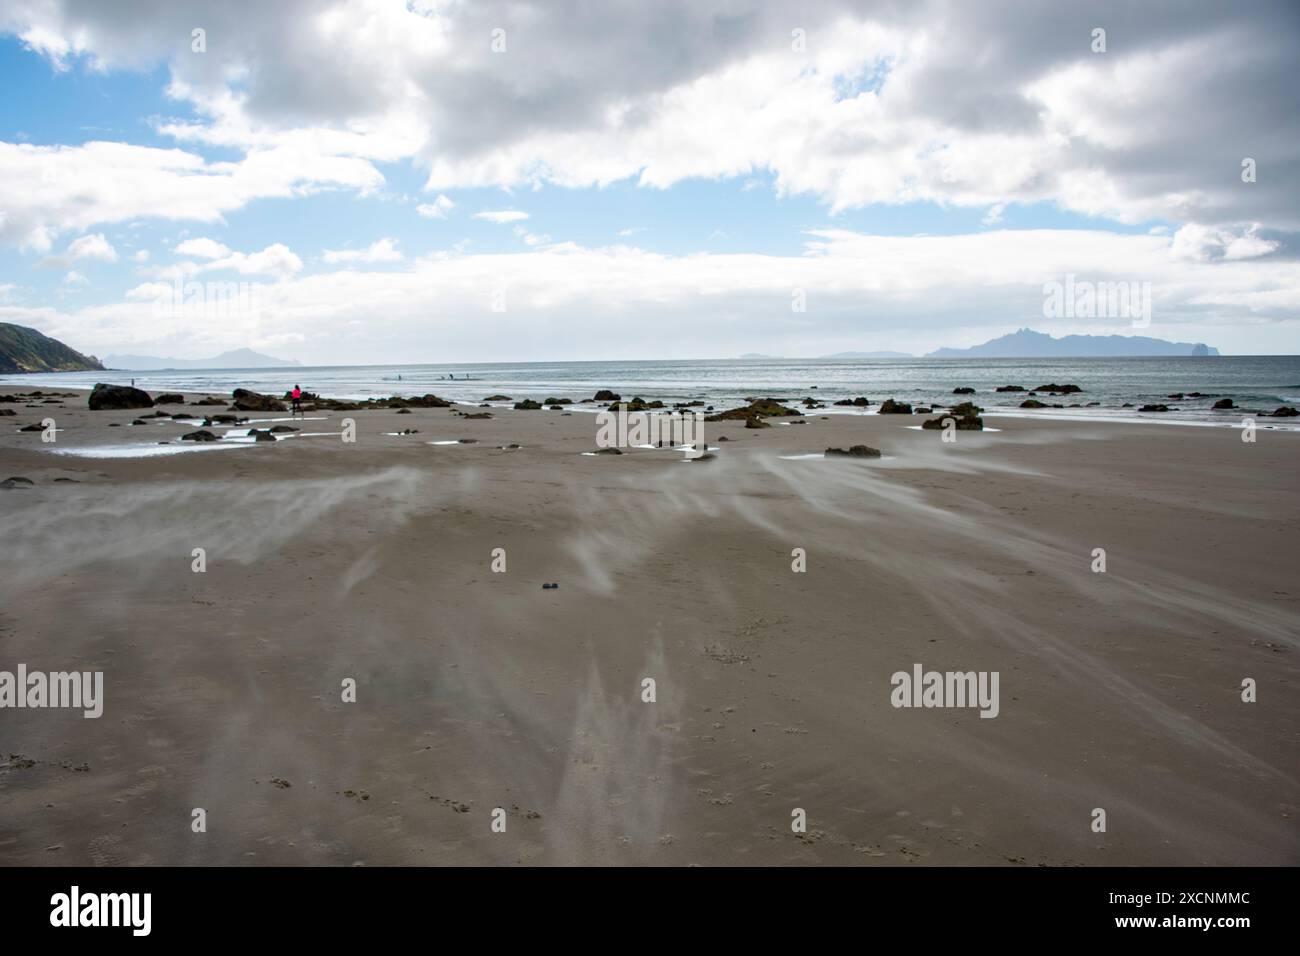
x=249 y=401
x=923 y=410
x=17 y=481
x=468 y=441
x=201 y=435
x=891 y=407
x=965 y=409
x=281 y=429
x=1224 y=403
x=118 y=397
x=170 y=398
x=1055 y=389
x=6 y=412
x=856 y=451
x=1010 y=388
x=755 y=422
x=139 y=421
x=527 y=405
x=1032 y=403
x=605 y=395
x=1154 y=408
x=258 y=434
x=963 y=390
x=963 y=423
x=1286 y=411
x=1177 y=395
x=403 y=411
x=609 y=451
x=37 y=428
x=757 y=408
x=558 y=401
x=477 y=415
x=209 y=401
x=498 y=398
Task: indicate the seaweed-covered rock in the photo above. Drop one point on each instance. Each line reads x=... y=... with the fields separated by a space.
x=1032 y=403
x=527 y=405
x=854 y=451
x=891 y=407
x=1054 y=389
x=250 y=401
x=757 y=408
x=963 y=423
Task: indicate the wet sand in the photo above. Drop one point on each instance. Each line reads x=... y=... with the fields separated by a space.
x=479 y=690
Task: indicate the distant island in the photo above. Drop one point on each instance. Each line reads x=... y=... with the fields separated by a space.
x=26 y=350
x=239 y=358
x=1026 y=343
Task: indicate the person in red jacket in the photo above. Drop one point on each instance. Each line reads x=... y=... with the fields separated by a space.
x=296 y=395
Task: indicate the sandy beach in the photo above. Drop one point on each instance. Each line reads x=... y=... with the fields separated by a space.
x=478 y=689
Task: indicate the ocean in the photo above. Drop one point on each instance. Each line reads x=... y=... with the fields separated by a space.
x=1252 y=382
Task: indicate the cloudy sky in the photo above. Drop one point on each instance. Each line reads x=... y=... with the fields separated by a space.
x=436 y=180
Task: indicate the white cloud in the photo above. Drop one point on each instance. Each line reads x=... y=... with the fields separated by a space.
x=382 y=250
x=920 y=292
x=93 y=247
x=437 y=209
x=502 y=215
x=202 y=248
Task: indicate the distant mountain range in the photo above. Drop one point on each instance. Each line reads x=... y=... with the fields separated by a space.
x=239 y=358
x=1026 y=343
x=26 y=350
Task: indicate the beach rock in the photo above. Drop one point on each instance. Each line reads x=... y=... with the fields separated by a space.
x=249 y=401
x=1224 y=403
x=558 y=401
x=477 y=415
x=468 y=441
x=724 y=438
x=419 y=401
x=17 y=481
x=1177 y=395
x=757 y=408
x=1154 y=408
x=755 y=422
x=498 y=398
x=527 y=405
x=891 y=407
x=227 y=419
x=209 y=401
x=963 y=390
x=403 y=411
x=1054 y=389
x=1286 y=411
x=201 y=435
x=963 y=423
x=609 y=451
x=859 y=402
x=1010 y=388
x=605 y=395
x=923 y=410
x=37 y=428
x=965 y=409
x=139 y=421
x=281 y=429
x=170 y=398
x=118 y=397
x=258 y=434
x=1032 y=403
x=855 y=451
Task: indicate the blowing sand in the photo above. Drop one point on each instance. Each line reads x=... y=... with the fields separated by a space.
x=479 y=690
